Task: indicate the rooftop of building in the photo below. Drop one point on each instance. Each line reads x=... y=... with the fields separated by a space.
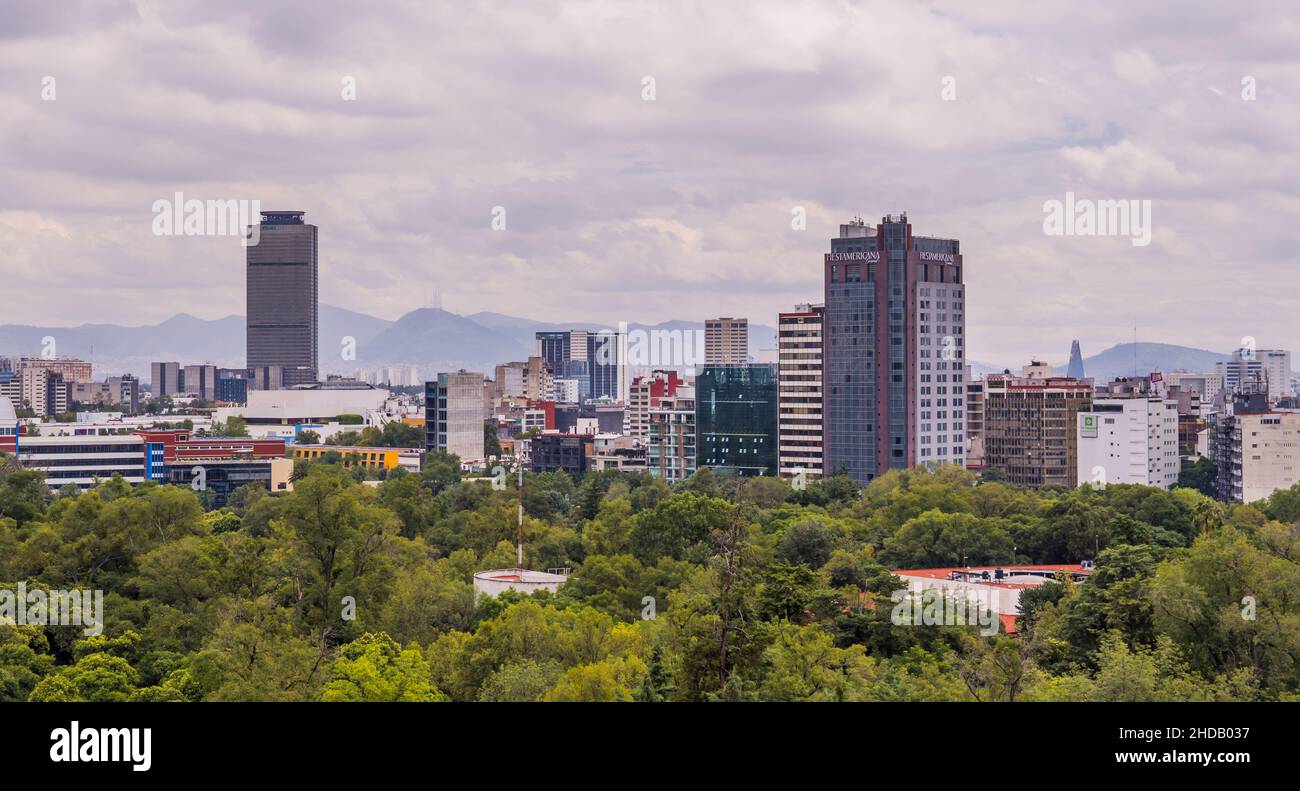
x=1014 y=575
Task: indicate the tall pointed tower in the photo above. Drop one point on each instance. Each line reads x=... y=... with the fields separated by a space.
x=1075 y=369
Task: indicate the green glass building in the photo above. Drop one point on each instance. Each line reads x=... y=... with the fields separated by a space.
x=735 y=419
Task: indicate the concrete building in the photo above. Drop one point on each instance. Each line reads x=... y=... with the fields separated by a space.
x=617 y=452
x=1256 y=451
x=282 y=298
x=1243 y=372
x=569 y=453
x=645 y=393
x=671 y=444
x=530 y=379
x=1030 y=427
x=44 y=391
x=894 y=357
x=409 y=459
x=454 y=415
x=800 y=445
x=200 y=381
x=974 y=422
x=1207 y=384
x=1128 y=440
x=71 y=369
x=726 y=341
x=123 y=391
x=319 y=403
x=165 y=379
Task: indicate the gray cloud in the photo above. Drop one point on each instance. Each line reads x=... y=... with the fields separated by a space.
x=678 y=208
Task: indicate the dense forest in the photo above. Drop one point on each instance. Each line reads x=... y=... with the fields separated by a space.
x=714 y=589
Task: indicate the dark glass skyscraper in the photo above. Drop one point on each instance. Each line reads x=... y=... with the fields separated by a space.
x=283 y=288
x=894 y=335
x=735 y=418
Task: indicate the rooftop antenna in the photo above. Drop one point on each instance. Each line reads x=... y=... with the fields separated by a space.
x=1135 y=351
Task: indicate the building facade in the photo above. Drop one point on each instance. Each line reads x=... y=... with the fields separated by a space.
x=726 y=341
x=894 y=350
x=800 y=446
x=1128 y=440
x=1030 y=427
x=736 y=419
x=283 y=298
x=1256 y=450
x=453 y=406
x=670 y=446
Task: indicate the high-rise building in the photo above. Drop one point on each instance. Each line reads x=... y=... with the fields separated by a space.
x=200 y=381
x=974 y=422
x=1075 y=369
x=670 y=446
x=44 y=391
x=799 y=381
x=165 y=379
x=283 y=298
x=71 y=369
x=453 y=415
x=606 y=358
x=726 y=341
x=1252 y=369
x=894 y=332
x=595 y=359
x=530 y=379
x=1128 y=440
x=736 y=419
x=1030 y=427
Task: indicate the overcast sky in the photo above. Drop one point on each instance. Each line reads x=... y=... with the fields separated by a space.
x=619 y=208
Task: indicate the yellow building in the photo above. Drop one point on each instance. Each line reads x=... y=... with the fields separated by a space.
x=372 y=458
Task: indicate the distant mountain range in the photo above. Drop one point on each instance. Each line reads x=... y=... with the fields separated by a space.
x=1121 y=360
x=429 y=339
x=1126 y=358
x=432 y=340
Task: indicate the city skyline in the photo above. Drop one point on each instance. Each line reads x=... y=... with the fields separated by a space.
x=619 y=208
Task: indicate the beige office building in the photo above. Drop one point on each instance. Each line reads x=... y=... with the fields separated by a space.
x=726 y=341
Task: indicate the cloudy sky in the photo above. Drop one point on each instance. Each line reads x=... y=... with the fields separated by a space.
x=619 y=208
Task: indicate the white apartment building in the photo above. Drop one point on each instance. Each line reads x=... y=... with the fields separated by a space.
x=1257 y=453
x=940 y=321
x=1129 y=440
x=799 y=392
